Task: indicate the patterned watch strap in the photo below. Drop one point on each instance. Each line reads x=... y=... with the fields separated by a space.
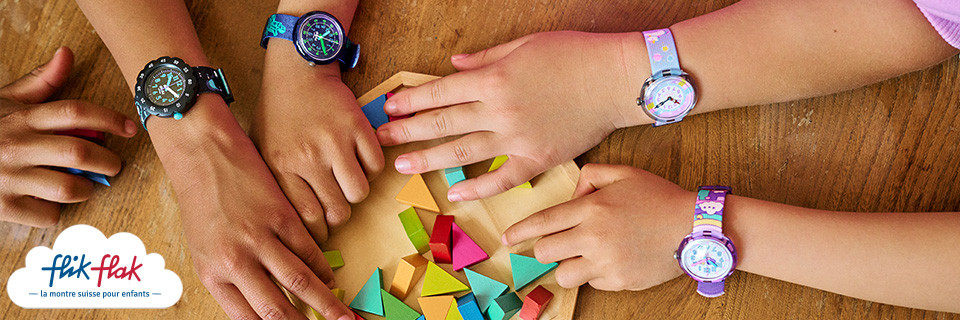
x=661 y=50
x=213 y=80
x=708 y=213
x=278 y=26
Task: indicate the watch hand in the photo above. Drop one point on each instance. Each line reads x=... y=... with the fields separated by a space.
x=171 y=91
x=168 y=81
x=323 y=46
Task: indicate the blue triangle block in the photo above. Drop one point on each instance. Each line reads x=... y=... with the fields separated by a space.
x=527 y=269
x=466 y=298
x=374 y=111
x=369 y=298
x=484 y=289
x=470 y=311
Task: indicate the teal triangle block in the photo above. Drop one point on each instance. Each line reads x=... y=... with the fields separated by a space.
x=396 y=309
x=484 y=289
x=527 y=269
x=369 y=298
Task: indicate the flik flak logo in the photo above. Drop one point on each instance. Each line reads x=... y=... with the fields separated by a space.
x=85 y=269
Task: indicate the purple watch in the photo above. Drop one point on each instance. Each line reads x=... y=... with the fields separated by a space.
x=706 y=255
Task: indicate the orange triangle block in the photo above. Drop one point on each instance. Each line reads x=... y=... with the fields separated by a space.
x=416 y=194
x=435 y=308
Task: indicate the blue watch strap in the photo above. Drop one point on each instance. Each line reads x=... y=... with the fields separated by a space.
x=212 y=80
x=349 y=55
x=661 y=50
x=278 y=26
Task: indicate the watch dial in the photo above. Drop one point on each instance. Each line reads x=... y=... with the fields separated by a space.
x=707 y=259
x=320 y=37
x=669 y=97
x=165 y=85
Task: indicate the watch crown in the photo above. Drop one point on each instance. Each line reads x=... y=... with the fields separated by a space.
x=639 y=101
x=675 y=256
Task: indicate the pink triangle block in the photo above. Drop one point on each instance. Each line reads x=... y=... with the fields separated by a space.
x=466 y=252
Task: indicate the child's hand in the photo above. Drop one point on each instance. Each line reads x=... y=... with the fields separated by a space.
x=541 y=99
x=315 y=138
x=619 y=233
x=30 y=190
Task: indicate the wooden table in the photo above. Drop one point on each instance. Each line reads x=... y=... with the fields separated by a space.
x=892 y=146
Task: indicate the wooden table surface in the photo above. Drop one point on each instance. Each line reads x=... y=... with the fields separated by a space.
x=891 y=146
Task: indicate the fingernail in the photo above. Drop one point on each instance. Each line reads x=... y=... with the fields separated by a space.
x=454 y=197
x=130 y=127
x=402 y=164
x=503 y=239
x=459 y=56
x=345 y=318
x=390 y=107
x=58 y=51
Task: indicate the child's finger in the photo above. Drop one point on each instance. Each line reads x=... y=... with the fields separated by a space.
x=350 y=177
x=75 y=114
x=513 y=172
x=336 y=209
x=31 y=211
x=432 y=125
x=464 y=62
x=371 y=156
x=471 y=148
x=52 y=185
x=305 y=201
x=42 y=82
x=264 y=296
x=294 y=275
x=457 y=88
x=572 y=273
x=560 y=246
x=232 y=301
x=595 y=176
x=548 y=221
x=302 y=245
x=69 y=152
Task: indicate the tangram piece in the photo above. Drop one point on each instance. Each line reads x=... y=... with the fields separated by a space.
x=499 y=161
x=369 y=298
x=339 y=293
x=396 y=309
x=466 y=298
x=334 y=259
x=484 y=288
x=527 y=269
x=415 y=193
x=470 y=311
x=414 y=229
x=454 y=175
x=438 y=282
x=422 y=317
x=435 y=308
x=441 y=238
x=357 y=316
x=534 y=303
x=409 y=270
x=504 y=307
x=374 y=112
x=454 y=313
x=466 y=252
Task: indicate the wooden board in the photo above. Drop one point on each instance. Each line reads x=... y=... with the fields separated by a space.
x=375 y=238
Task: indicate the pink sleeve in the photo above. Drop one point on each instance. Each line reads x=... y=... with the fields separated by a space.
x=944 y=15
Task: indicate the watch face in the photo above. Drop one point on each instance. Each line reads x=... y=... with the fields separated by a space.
x=165 y=85
x=707 y=259
x=319 y=36
x=669 y=97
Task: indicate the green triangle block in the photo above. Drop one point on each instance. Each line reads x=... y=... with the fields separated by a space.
x=527 y=269
x=504 y=307
x=436 y=281
x=369 y=298
x=484 y=289
x=396 y=309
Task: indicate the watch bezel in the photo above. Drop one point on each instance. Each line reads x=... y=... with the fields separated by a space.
x=647 y=90
x=182 y=104
x=299 y=45
x=723 y=241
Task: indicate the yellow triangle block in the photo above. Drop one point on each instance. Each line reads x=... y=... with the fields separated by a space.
x=499 y=161
x=436 y=308
x=438 y=281
x=416 y=194
x=454 y=313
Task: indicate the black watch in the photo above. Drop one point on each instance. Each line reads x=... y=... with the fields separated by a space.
x=168 y=87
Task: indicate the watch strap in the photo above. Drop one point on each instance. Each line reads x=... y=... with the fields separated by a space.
x=142 y=112
x=661 y=50
x=213 y=80
x=710 y=289
x=708 y=212
x=278 y=26
x=349 y=54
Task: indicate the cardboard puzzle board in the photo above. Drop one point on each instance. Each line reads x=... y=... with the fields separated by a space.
x=375 y=238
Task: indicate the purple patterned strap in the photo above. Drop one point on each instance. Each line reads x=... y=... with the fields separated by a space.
x=708 y=213
x=710 y=289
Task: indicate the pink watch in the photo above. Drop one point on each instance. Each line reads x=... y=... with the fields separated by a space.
x=706 y=255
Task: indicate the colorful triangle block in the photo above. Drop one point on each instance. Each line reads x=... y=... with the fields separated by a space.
x=504 y=307
x=470 y=311
x=453 y=313
x=466 y=298
x=437 y=281
x=440 y=240
x=339 y=293
x=416 y=194
x=369 y=298
x=396 y=309
x=454 y=175
x=466 y=252
x=334 y=259
x=499 y=161
x=484 y=288
x=534 y=303
x=374 y=111
x=527 y=269
x=435 y=308
x=409 y=270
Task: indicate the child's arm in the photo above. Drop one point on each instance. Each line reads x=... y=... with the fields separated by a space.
x=907 y=259
x=546 y=98
x=30 y=190
x=310 y=130
x=240 y=227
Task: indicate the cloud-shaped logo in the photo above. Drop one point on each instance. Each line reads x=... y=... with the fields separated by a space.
x=87 y=270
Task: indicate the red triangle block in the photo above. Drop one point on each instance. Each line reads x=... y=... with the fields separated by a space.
x=466 y=252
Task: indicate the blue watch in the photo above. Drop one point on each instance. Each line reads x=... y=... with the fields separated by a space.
x=317 y=36
x=668 y=95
